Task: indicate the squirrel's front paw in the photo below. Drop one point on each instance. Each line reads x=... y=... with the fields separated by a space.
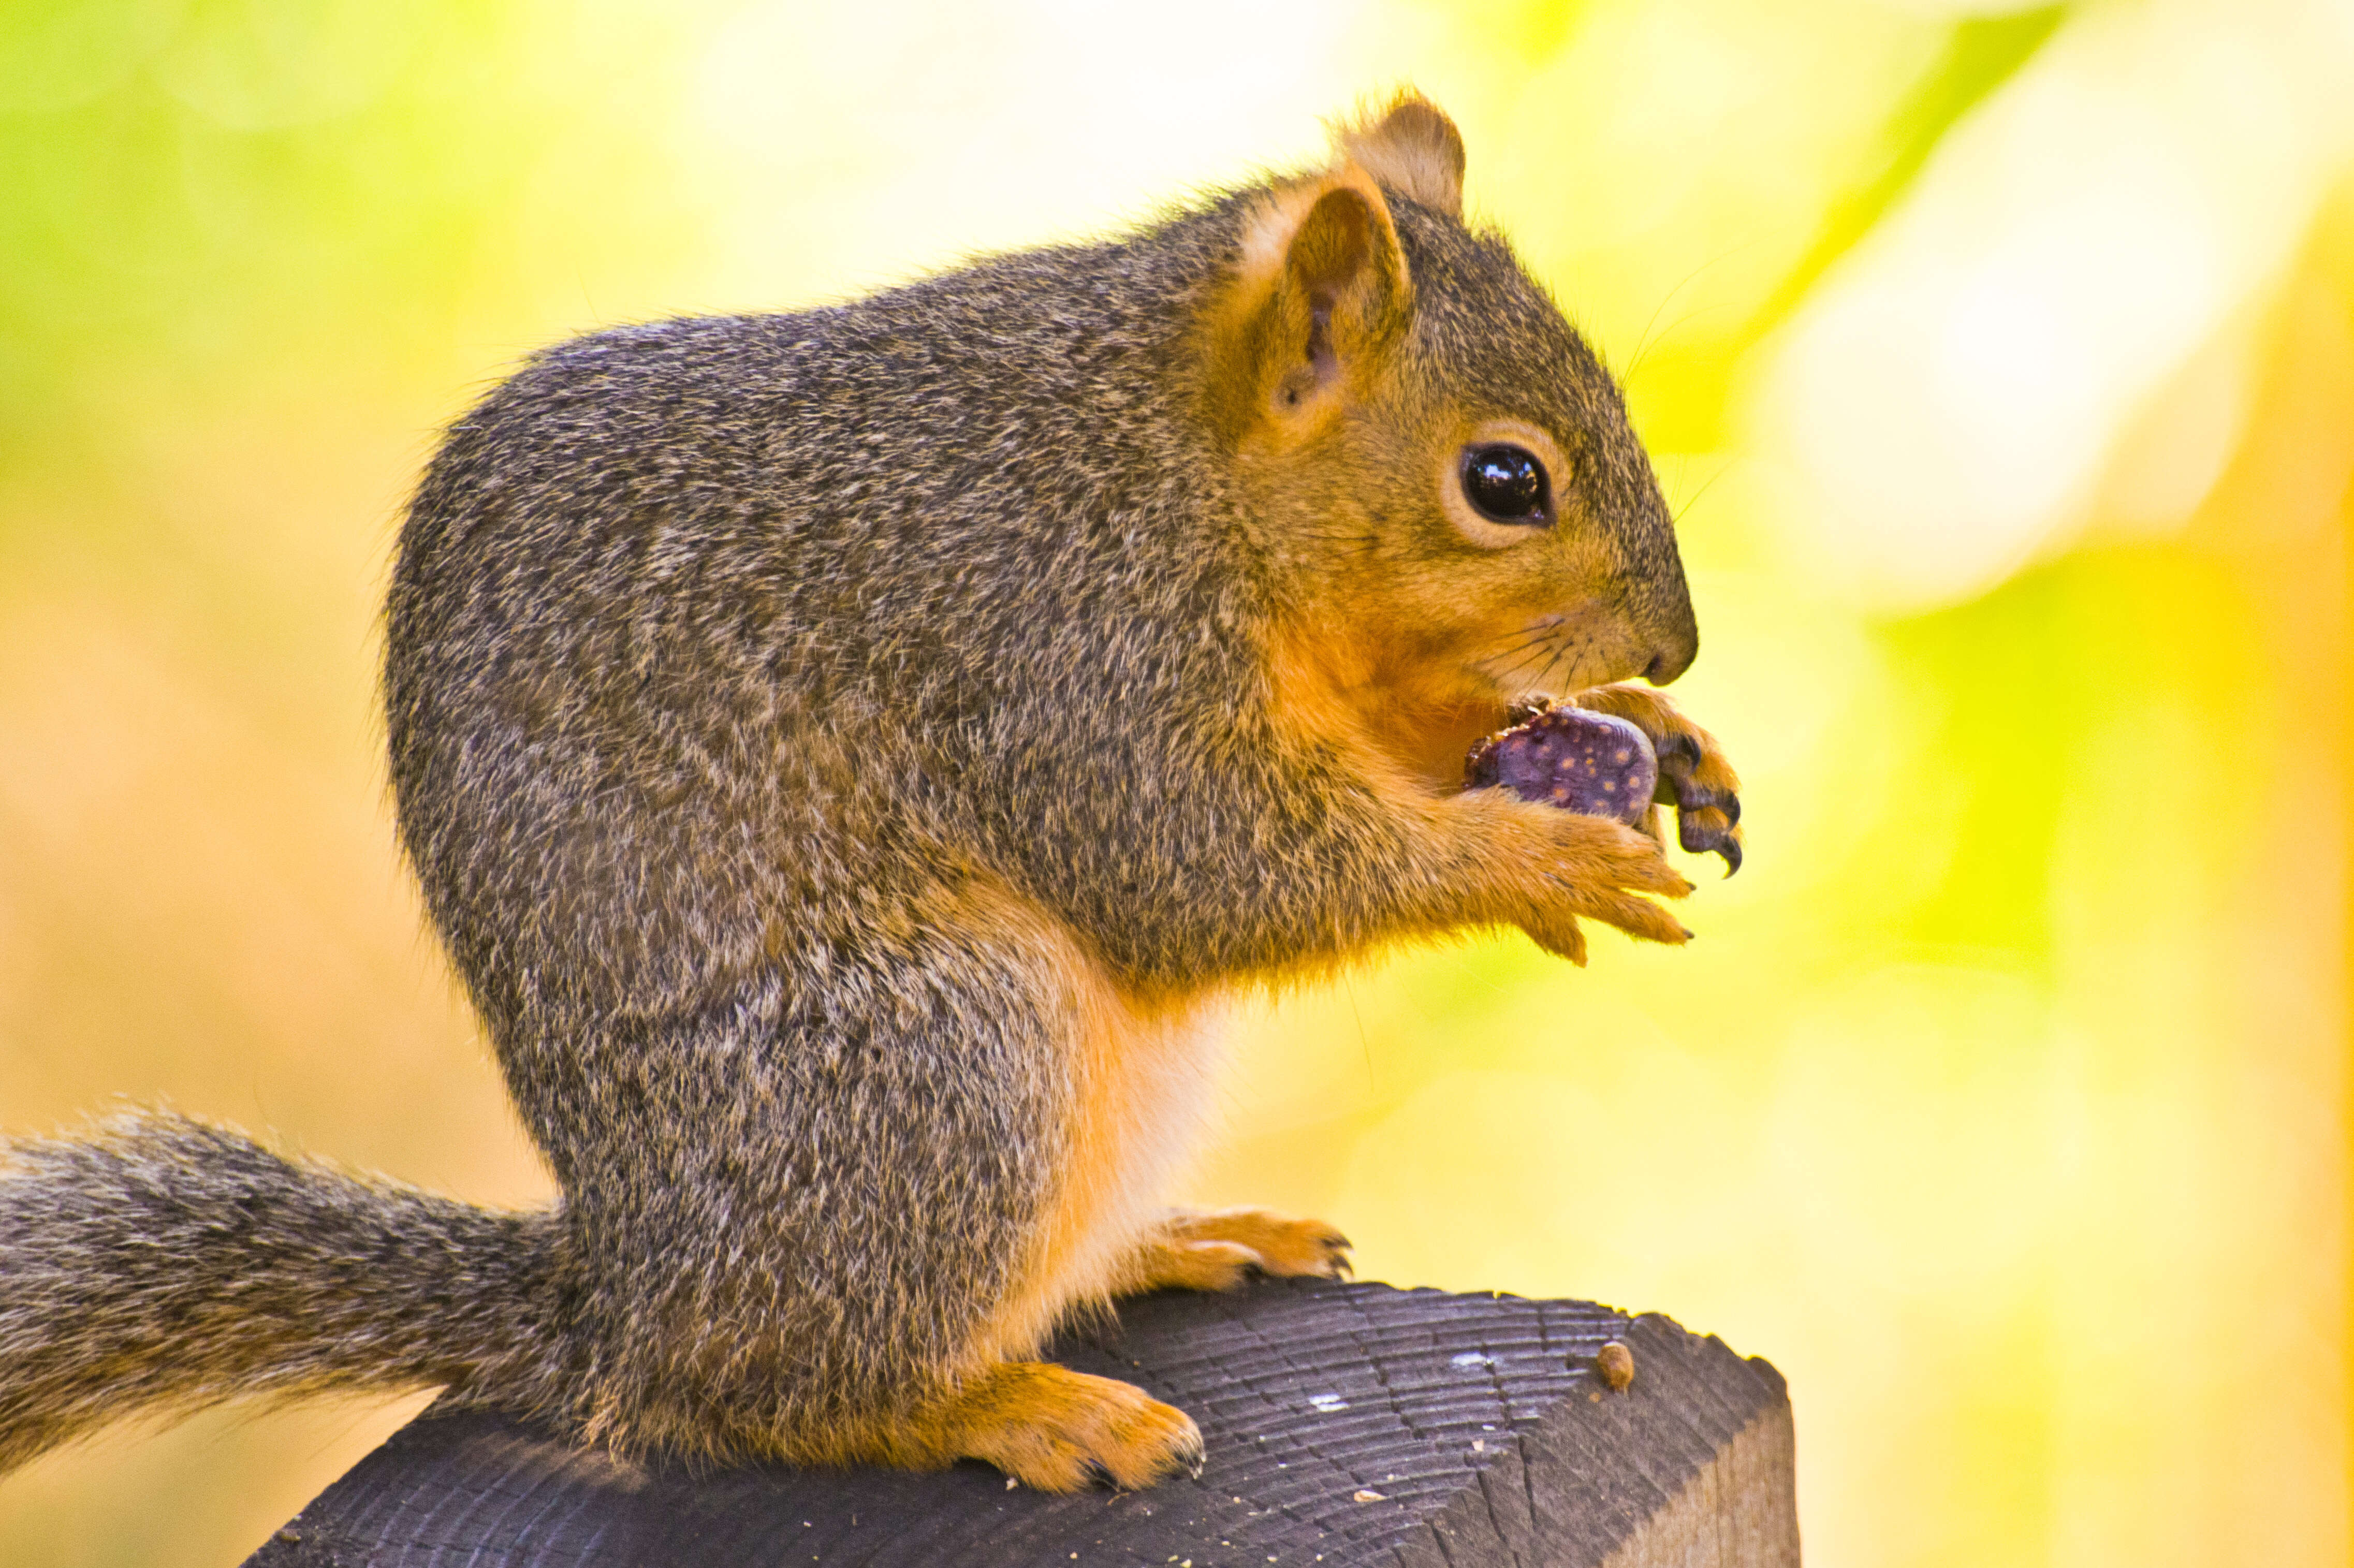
x=1595 y=869
x=1057 y=1430
x=1217 y=1249
x=1694 y=777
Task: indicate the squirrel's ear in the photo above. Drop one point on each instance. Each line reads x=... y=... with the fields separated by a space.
x=1323 y=293
x=1411 y=147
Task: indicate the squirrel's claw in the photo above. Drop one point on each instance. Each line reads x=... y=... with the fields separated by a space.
x=1708 y=818
x=1711 y=829
x=1337 y=1265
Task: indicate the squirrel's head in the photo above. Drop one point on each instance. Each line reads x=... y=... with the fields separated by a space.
x=1440 y=471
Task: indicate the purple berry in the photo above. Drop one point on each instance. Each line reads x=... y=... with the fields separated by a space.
x=1569 y=758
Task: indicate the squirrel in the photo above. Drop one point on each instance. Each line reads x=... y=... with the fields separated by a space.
x=846 y=754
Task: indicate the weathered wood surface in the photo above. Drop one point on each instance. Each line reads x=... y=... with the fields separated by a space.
x=1479 y=1421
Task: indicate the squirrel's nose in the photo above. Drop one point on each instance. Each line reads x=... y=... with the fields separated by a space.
x=1664 y=613
x=1669 y=662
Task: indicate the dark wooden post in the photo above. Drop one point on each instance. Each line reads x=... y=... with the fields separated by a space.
x=1346 y=1423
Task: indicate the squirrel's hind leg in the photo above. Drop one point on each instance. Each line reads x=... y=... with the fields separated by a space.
x=1217 y=1249
x=872 y=1187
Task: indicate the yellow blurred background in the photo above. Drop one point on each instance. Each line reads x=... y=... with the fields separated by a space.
x=2000 y=362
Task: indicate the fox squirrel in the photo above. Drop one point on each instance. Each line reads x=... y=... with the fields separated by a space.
x=843 y=753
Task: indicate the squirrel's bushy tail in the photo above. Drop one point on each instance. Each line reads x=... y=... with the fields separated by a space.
x=161 y=1264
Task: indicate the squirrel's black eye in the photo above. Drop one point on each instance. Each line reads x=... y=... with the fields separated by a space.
x=1507 y=483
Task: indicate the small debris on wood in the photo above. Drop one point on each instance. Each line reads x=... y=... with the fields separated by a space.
x=1365 y=1494
x=1615 y=1362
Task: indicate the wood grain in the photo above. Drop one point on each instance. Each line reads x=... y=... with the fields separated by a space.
x=1347 y=1425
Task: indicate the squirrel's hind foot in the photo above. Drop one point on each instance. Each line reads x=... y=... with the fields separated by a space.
x=1056 y=1430
x=1217 y=1249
